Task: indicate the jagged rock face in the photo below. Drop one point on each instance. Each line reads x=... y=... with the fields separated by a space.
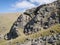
x=44 y=17
x=35 y=19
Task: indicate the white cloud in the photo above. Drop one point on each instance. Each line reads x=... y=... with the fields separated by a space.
x=42 y=1
x=24 y=4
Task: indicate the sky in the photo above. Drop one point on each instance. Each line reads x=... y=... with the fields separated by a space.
x=20 y=5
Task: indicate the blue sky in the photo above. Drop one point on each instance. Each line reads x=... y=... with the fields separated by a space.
x=20 y=5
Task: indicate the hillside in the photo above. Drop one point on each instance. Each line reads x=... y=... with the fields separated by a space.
x=35 y=19
x=36 y=26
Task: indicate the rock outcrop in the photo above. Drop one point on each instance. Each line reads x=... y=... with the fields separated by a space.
x=35 y=19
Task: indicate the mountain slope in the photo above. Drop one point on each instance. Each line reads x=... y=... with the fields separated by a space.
x=37 y=22
x=35 y=19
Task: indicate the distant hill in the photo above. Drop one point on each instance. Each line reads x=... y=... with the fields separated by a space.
x=6 y=21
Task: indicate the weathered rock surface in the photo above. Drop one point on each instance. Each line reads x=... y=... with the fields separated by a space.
x=35 y=19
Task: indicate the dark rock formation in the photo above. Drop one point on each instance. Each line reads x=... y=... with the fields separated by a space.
x=44 y=16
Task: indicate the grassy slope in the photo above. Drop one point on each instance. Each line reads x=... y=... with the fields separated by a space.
x=55 y=28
